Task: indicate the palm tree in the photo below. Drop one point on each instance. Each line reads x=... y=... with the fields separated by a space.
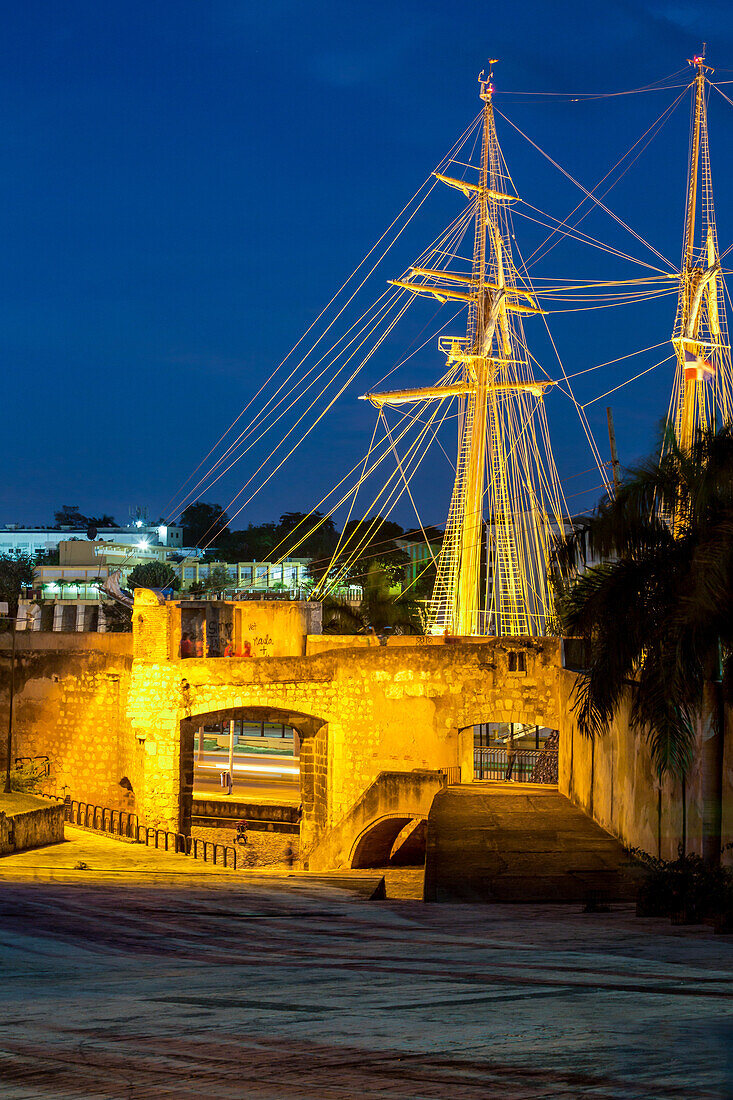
x=381 y=610
x=384 y=610
x=657 y=612
x=341 y=617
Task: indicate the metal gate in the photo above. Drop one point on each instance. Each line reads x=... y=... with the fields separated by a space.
x=515 y=765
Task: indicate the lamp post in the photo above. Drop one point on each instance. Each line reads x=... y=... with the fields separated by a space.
x=14 y=621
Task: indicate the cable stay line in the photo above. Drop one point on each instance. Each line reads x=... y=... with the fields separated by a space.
x=507 y=506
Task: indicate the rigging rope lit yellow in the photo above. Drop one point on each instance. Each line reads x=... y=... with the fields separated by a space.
x=501 y=459
x=703 y=383
x=504 y=470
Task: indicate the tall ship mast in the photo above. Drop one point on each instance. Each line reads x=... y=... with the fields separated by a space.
x=702 y=393
x=506 y=503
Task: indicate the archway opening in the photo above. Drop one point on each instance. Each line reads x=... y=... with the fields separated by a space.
x=397 y=841
x=518 y=752
x=262 y=765
x=261 y=757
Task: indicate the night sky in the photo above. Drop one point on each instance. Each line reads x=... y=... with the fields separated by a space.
x=184 y=185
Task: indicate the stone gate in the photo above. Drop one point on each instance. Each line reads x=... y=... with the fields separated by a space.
x=116 y=714
x=360 y=710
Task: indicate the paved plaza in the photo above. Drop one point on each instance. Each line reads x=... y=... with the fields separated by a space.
x=141 y=978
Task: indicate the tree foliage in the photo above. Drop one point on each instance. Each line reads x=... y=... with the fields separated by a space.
x=69 y=516
x=153 y=574
x=204 y=524
x=381 y=610
x=218 y=580
x=307 y=535
x=365 y=544
x=386 y=611
x=657 y=609
x=47 y=557
x=254 y=543
x=16 y=572
x=296 y=534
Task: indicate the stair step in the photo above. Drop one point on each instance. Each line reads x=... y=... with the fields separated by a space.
x=499 y=843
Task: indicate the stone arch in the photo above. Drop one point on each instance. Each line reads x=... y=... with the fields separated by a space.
x=313 y=736
x=373 y=846
x=410 y=846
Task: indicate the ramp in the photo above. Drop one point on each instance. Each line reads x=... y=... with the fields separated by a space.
x=500 y=842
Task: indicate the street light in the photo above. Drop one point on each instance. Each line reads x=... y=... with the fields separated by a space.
x=14 y=621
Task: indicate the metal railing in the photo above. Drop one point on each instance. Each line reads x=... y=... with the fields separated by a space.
x=101 y=818
x=187 y=846
x=451 y=776
x=39 y=766
x=123 y=824
x=519 y=765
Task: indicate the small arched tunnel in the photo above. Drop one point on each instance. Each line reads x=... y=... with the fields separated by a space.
x=391 y=842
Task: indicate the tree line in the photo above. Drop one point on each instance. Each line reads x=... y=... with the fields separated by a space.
x=364 y=546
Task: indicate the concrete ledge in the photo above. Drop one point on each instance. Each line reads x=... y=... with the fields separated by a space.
x=253 y=826
x=29 y=822
x=235 y=810
x=55 y=641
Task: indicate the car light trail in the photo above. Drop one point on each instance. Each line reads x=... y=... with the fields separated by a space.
x=267 y=768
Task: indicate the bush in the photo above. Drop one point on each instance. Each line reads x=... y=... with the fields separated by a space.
x=26 y=780
x=685 y=889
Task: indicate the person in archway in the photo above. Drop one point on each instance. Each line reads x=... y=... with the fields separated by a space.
x=187 y=649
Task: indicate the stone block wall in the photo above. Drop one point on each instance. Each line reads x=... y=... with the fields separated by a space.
x=107 y=713
x=31 y=828
x=360 y=712
x=614 y=780
x=70 y=700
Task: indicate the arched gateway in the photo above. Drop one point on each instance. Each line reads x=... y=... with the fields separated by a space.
x=361 y=709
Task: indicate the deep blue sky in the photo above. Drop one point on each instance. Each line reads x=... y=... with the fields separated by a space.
x=184 y=185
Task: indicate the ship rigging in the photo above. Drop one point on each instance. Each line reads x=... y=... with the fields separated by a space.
x=507 y=504
x=503 y=474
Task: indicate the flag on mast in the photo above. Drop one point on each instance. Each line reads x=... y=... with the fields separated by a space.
x=697 y=369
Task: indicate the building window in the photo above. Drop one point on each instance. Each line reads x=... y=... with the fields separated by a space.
x=517 y=661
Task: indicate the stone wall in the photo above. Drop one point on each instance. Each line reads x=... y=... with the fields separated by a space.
x=103 y=714
x=359 y=710
x=110 y=707
x=614 y=781
x=70 y=701
x=31 y=828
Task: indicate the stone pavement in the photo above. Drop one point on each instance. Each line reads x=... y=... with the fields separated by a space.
x=150 y=986
x=90 y=855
